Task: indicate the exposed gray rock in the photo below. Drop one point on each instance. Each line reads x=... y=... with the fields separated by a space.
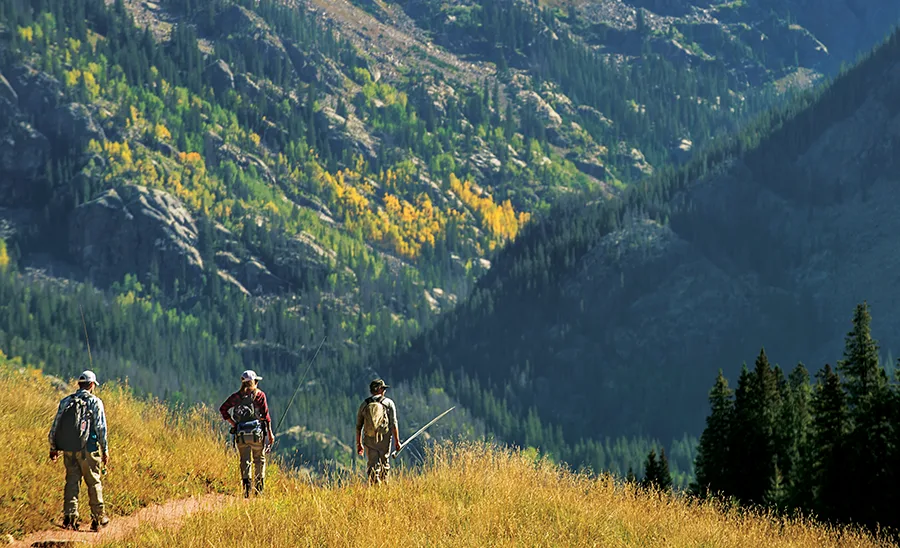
x=315 y=68
x=594 y=115
x=220 y=76
x=633 y=161
x=23 y=151
x=38 y=92
x=485 y=163
x=440 y=93
x=258 y=279
x=226 y=260
x=347 y=134
x=246 y=86
x=134 y=229
x=230 y=280
x=546 y=113
x=246 y=28
x=72 y=125
x=682 y=150
x=592 y=167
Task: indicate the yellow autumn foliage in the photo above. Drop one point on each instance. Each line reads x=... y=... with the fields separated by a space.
x=501 y=221
x=4 y=256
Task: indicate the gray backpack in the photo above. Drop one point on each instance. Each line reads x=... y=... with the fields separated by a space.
x=74 y=426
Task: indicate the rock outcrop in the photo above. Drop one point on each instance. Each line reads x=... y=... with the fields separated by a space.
x=347 y=134
x=220 y=76
x=134 y=229
x=71 y=125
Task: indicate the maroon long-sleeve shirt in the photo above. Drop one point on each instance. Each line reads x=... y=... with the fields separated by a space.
x=259 y=402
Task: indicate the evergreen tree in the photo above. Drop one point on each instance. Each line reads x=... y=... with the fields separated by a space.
x=777 y=494
x=630 y=477
x=793 y=429
x=656 y=472
x=756 y=408
x=664 y=477
x=712 y=464
x=830 y=425
x=864 y=378
x=651 y=470
x=871 y=437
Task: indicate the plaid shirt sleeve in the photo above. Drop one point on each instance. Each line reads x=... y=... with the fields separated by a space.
x=52 y=436
x=229 y=403
x=262 y=407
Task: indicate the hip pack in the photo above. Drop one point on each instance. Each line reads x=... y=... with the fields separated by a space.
x=249 y=432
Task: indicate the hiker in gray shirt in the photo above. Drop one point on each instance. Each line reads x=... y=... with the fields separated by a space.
x=376 y=424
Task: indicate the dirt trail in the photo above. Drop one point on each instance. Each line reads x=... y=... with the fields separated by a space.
x=170 y=514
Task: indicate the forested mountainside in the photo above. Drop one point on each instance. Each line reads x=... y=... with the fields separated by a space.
x=607 y=318
x=219 y=185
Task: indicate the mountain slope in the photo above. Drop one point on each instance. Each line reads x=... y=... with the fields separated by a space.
x=765 y=240
x=221 y=184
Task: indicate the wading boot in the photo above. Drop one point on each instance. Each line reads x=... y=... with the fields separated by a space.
x=246 y=488
x=96 y=524
x=70 y=522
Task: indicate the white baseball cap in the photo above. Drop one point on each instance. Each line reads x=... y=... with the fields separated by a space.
x=88 y=376
x=250 y=375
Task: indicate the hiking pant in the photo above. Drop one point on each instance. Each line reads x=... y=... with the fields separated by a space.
x=378 y=454
x=256 y=451
x=81 y=464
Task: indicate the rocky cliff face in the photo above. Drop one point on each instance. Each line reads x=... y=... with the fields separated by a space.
x=752 y=38
x=133 y=229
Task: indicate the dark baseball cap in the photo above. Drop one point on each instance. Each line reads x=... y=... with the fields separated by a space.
x=376 y=384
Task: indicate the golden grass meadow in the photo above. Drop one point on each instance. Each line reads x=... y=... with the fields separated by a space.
x=466 y=495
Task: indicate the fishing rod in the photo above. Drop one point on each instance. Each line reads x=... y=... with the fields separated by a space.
x=299 y=385
x=414 y=436
x=90 y=358
x=86 y=339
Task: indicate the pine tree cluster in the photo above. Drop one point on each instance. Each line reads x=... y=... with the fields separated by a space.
x=830 y=449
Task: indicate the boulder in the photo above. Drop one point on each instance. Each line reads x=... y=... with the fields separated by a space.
x=71 y=125
x=134 y=229
x=220 y=76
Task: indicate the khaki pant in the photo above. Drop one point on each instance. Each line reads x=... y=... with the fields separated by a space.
x=87 y=466
x=256 y=451
x=378 y=454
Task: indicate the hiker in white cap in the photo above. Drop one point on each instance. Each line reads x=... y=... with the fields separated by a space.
x=252 y=428
x=79 y=431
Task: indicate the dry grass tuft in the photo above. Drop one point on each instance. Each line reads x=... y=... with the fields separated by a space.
x=155 y=455
x=473 y=495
